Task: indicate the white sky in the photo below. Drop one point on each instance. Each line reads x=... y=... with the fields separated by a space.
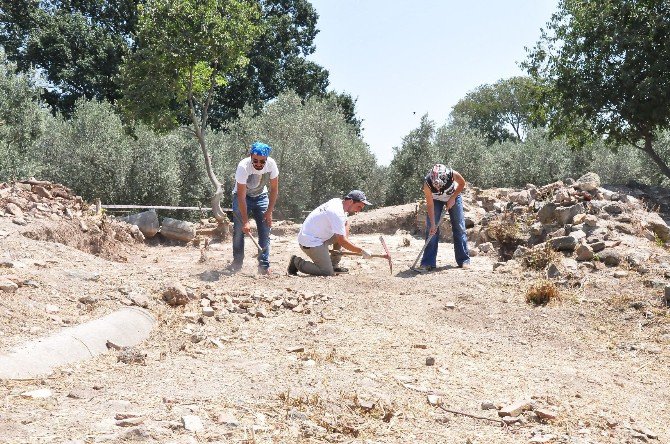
x=402 y=59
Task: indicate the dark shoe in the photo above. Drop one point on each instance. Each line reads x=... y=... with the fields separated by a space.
x=234 y=267
x=292 y=269
x=424 y=268
x=341 y=270
x=264 y=271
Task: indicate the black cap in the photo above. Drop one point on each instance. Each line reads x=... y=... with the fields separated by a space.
x=358 y=196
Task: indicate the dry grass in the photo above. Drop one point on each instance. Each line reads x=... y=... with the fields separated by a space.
x=539 y=258
x=620 y=301
x=543 y=292
x=345 y=414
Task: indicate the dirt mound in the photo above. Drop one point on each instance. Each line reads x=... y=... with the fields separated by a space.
x=385 y=220
x=109 y=239
x=53 y=213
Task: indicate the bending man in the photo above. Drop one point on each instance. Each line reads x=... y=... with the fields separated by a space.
x=253 y=176
x=328 y=225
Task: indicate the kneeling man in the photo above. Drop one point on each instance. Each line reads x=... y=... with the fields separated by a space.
x=328 y=225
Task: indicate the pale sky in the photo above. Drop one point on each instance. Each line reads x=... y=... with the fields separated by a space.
x=402 y=59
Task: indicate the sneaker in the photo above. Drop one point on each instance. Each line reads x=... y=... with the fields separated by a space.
x=292 y=269
x=465 y=265
x=264 y=271
x=340 y=270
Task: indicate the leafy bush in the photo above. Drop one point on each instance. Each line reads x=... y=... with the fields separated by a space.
x=319 y=154
x=22 y=119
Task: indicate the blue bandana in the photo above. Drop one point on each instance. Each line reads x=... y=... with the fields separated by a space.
x=260 y=149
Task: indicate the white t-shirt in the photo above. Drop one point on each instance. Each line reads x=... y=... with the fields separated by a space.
x=325 y=221
x=255 y=180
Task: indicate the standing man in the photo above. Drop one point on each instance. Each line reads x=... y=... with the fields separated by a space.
x=253 y=176
x=442 y=187
x=328 y=225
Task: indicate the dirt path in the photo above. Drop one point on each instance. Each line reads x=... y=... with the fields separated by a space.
x=352 y=366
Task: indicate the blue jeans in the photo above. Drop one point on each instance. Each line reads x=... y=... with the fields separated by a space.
x=457 y=219
x=257 y=206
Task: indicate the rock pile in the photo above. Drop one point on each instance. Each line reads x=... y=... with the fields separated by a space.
x=52 y=212
x=580 y=219
x=34 y=199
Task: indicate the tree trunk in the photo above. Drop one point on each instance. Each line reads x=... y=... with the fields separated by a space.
x=654 y=155
x=219 y=215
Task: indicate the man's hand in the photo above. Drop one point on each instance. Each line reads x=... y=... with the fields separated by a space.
x=451 y=202
x=433 y=229
x=268 y=218
x=365 y=253
x=246 y=228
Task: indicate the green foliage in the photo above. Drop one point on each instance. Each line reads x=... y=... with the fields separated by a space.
x=185 y=49
x=22 y=121
x=503 y=111
x=318 y=152
x=606 y=64
x=76 y=45
x=411 y=162
x=90 y=152
x=277 y=62
x=540 y=159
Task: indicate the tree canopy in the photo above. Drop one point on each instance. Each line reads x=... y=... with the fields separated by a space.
x=79 y=45
x=184 y=51
x=503 y=111
x=606 y=64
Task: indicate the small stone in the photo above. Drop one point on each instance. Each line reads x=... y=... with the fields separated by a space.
x=192 y=423
x=430 y=361
x=8 y=286
x=139 y=298
x=620 y=274
x=645 y=431
x=296 y=349
x=80 y=394
x=175 y=295
x=38 y=394
x=514 y=409
x=290 y=303
x=261 y=313
x=88 y=299
x=450 y=306
x=227 y=418
x=539 y=439
x=130 y=422
x=434 y=400
x=545 y=414
x=207 y=311
x=51 y=309
x=509 y=420
x=488 y=405
x=638 y=305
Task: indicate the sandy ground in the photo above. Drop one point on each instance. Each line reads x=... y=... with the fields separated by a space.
x=350 y=363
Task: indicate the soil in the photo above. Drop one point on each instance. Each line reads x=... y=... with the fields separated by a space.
x=350 y=362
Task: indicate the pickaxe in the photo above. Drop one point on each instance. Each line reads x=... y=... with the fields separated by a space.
x=260 y=250
x=413 y=267
x=386 y=256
